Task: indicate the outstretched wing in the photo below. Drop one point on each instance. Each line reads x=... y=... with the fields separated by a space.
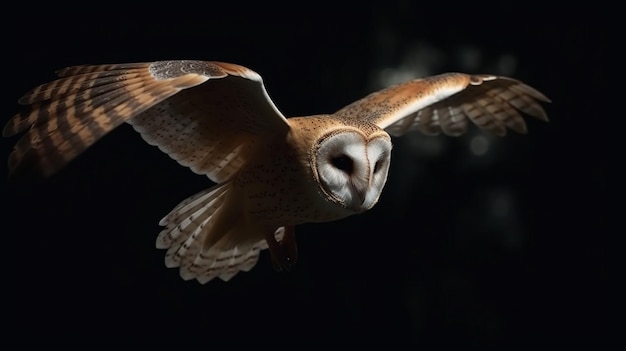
x=445 y=103
x=203 y=114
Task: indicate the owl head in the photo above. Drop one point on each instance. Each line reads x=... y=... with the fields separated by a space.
x=350 y=165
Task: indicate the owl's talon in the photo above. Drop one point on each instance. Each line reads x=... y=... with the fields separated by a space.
x=284 y=254
x=289 y=246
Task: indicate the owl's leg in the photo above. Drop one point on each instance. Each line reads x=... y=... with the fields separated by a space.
x=285 y=253
x=289 y=244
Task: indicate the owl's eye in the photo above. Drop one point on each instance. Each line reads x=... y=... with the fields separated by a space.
x=377 y=166
x=344 y=163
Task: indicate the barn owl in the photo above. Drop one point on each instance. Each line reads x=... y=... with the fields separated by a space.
x=271 y=173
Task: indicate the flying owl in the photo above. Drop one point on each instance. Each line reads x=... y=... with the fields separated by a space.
x=271 y=172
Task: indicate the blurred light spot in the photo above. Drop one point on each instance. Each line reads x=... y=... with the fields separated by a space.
x=470 y=58
x=479 y=145
x=420 y=60
x=419 y=146
x=389 y=76
x=503 y=217
x=506 y=64
x=500 y=204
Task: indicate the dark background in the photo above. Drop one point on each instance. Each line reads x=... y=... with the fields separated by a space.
x=510 y=248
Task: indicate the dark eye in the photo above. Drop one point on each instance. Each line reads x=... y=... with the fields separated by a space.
x=377 y=166
x=343 y=162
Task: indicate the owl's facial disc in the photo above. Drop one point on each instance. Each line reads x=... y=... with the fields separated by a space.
x=352 y=169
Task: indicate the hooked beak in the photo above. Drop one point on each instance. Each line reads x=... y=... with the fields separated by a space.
x=360 y=187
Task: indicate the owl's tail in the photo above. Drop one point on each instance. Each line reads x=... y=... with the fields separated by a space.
x=207 y=239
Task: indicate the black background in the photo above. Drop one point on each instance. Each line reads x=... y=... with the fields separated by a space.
x=429 y=266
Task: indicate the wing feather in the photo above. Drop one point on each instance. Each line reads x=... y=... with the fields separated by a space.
x=167 y=103
x=445 y=103
x=201 y=246
x=426 y=121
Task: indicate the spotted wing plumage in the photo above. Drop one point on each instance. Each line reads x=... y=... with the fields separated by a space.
x=208 y=116
x=447 y=103
x=169 y=102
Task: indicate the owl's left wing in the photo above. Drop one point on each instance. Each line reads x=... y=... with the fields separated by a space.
x=204 y=114
x=445 y=103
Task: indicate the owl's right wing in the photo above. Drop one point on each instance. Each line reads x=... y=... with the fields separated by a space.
x=448 y=103
x=205 y=115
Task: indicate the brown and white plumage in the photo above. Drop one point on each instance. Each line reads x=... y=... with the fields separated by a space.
x=445 y=103
x=68 y=115
x=272 y=173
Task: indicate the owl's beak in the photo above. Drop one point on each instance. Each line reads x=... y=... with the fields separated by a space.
x=360 y=187
x=361 y=194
